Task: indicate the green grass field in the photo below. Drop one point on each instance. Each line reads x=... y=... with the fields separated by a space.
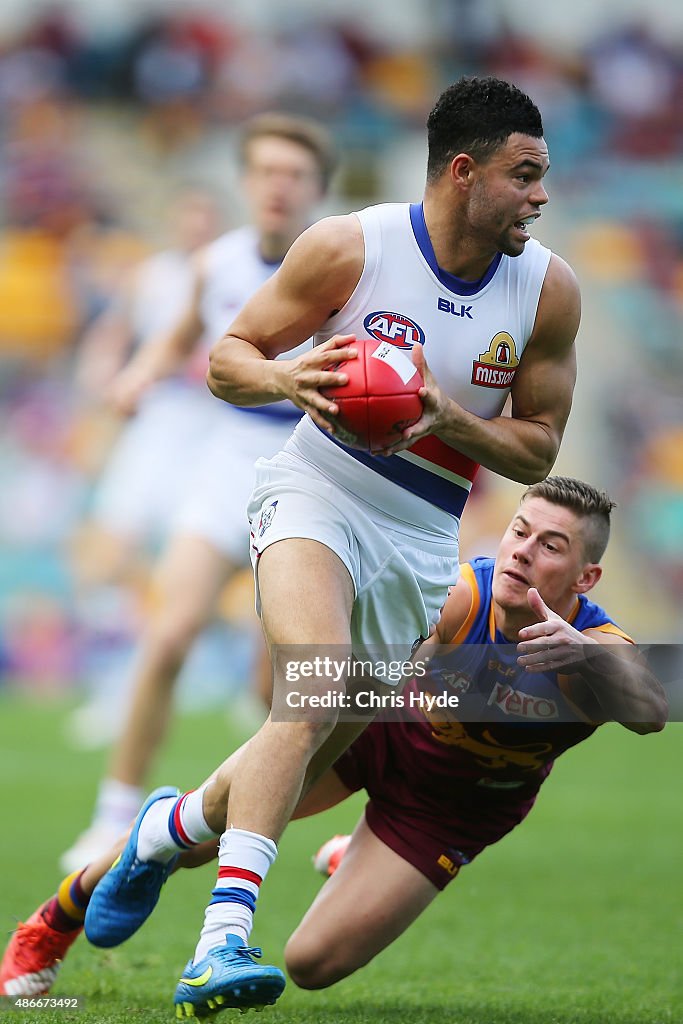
x=574 y=919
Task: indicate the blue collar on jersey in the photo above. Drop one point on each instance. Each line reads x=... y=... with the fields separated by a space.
x=270 y=263
x=453 y=283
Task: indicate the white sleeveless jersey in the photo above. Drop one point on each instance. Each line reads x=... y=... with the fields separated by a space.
x=234 y=270
x=474 y=336
x=161 y=291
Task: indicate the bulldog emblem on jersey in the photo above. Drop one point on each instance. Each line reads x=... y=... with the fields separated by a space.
x=267 y=516
x=496 y=367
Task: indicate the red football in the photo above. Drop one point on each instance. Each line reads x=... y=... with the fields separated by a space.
x=380 y=398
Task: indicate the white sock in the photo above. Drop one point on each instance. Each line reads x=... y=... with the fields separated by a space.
x=215 y=929
x=192 y=820
x=172 y=825
x=117 y=803
x=243 y=862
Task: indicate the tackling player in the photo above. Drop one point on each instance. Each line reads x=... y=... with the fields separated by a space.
x=441 y=790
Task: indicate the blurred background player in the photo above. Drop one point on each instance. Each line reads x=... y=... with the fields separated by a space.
x=137 y=490
x=456 y=785
x=287 y=164
x=145 y=471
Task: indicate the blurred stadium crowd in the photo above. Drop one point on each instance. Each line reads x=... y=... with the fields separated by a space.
x=99 y=132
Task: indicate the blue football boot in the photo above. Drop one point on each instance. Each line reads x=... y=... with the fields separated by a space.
x=227 y=978
x=124 y=898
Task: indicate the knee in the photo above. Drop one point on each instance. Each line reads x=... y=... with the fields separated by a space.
x=174 y=632
x=308 y=736
x=315 y=732
x=311 y=966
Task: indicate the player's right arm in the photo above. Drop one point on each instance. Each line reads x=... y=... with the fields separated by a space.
x=610 y=666
x=317 y=278
x=164 y=355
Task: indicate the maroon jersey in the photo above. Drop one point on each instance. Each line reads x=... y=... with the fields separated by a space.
x=443 y=787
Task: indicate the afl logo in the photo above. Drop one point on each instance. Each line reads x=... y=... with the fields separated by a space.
x=395 y=328
x=496 y=367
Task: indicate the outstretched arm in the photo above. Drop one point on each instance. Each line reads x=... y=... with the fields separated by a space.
x=610 y=666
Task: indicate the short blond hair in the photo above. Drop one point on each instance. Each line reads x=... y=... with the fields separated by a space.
x=586 y=501
x=301 y=130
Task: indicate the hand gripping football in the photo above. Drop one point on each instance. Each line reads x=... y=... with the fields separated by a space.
x=380 y=398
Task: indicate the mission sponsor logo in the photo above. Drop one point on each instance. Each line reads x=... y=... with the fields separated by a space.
x=496 y=367
x=395 y=328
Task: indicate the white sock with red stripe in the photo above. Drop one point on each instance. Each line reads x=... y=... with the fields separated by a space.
x=173 y=825
x=243 y=862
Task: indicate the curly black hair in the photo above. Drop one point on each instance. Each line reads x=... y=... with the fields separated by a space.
x=476 y=116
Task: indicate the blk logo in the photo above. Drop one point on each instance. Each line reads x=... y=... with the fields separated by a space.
x=455 y=308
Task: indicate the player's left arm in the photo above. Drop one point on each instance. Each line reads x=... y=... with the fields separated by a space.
x=609 y=665
x=455 y=611
x=106 y=344
x=522 y=446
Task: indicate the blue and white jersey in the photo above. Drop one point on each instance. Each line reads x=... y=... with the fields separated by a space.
x=161 y=290
x=233 y=271
x=474 y=335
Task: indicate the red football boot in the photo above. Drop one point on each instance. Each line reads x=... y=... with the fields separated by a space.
x=34 y=956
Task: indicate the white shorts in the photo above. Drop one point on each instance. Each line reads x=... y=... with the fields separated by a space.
x=147 y=471
x=218 y=490
x=400 y=572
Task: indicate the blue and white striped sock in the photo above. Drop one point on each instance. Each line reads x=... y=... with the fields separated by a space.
x=243 y=862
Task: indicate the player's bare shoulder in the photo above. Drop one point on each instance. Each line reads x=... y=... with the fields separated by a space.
x=328 y=256
x=337 y=236
x=454 y=614
x=559 y=307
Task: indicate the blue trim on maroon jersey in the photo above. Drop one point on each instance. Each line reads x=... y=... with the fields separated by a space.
x=434 y=489
x=483 y=571
x=453 y=283
x=588 y=616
